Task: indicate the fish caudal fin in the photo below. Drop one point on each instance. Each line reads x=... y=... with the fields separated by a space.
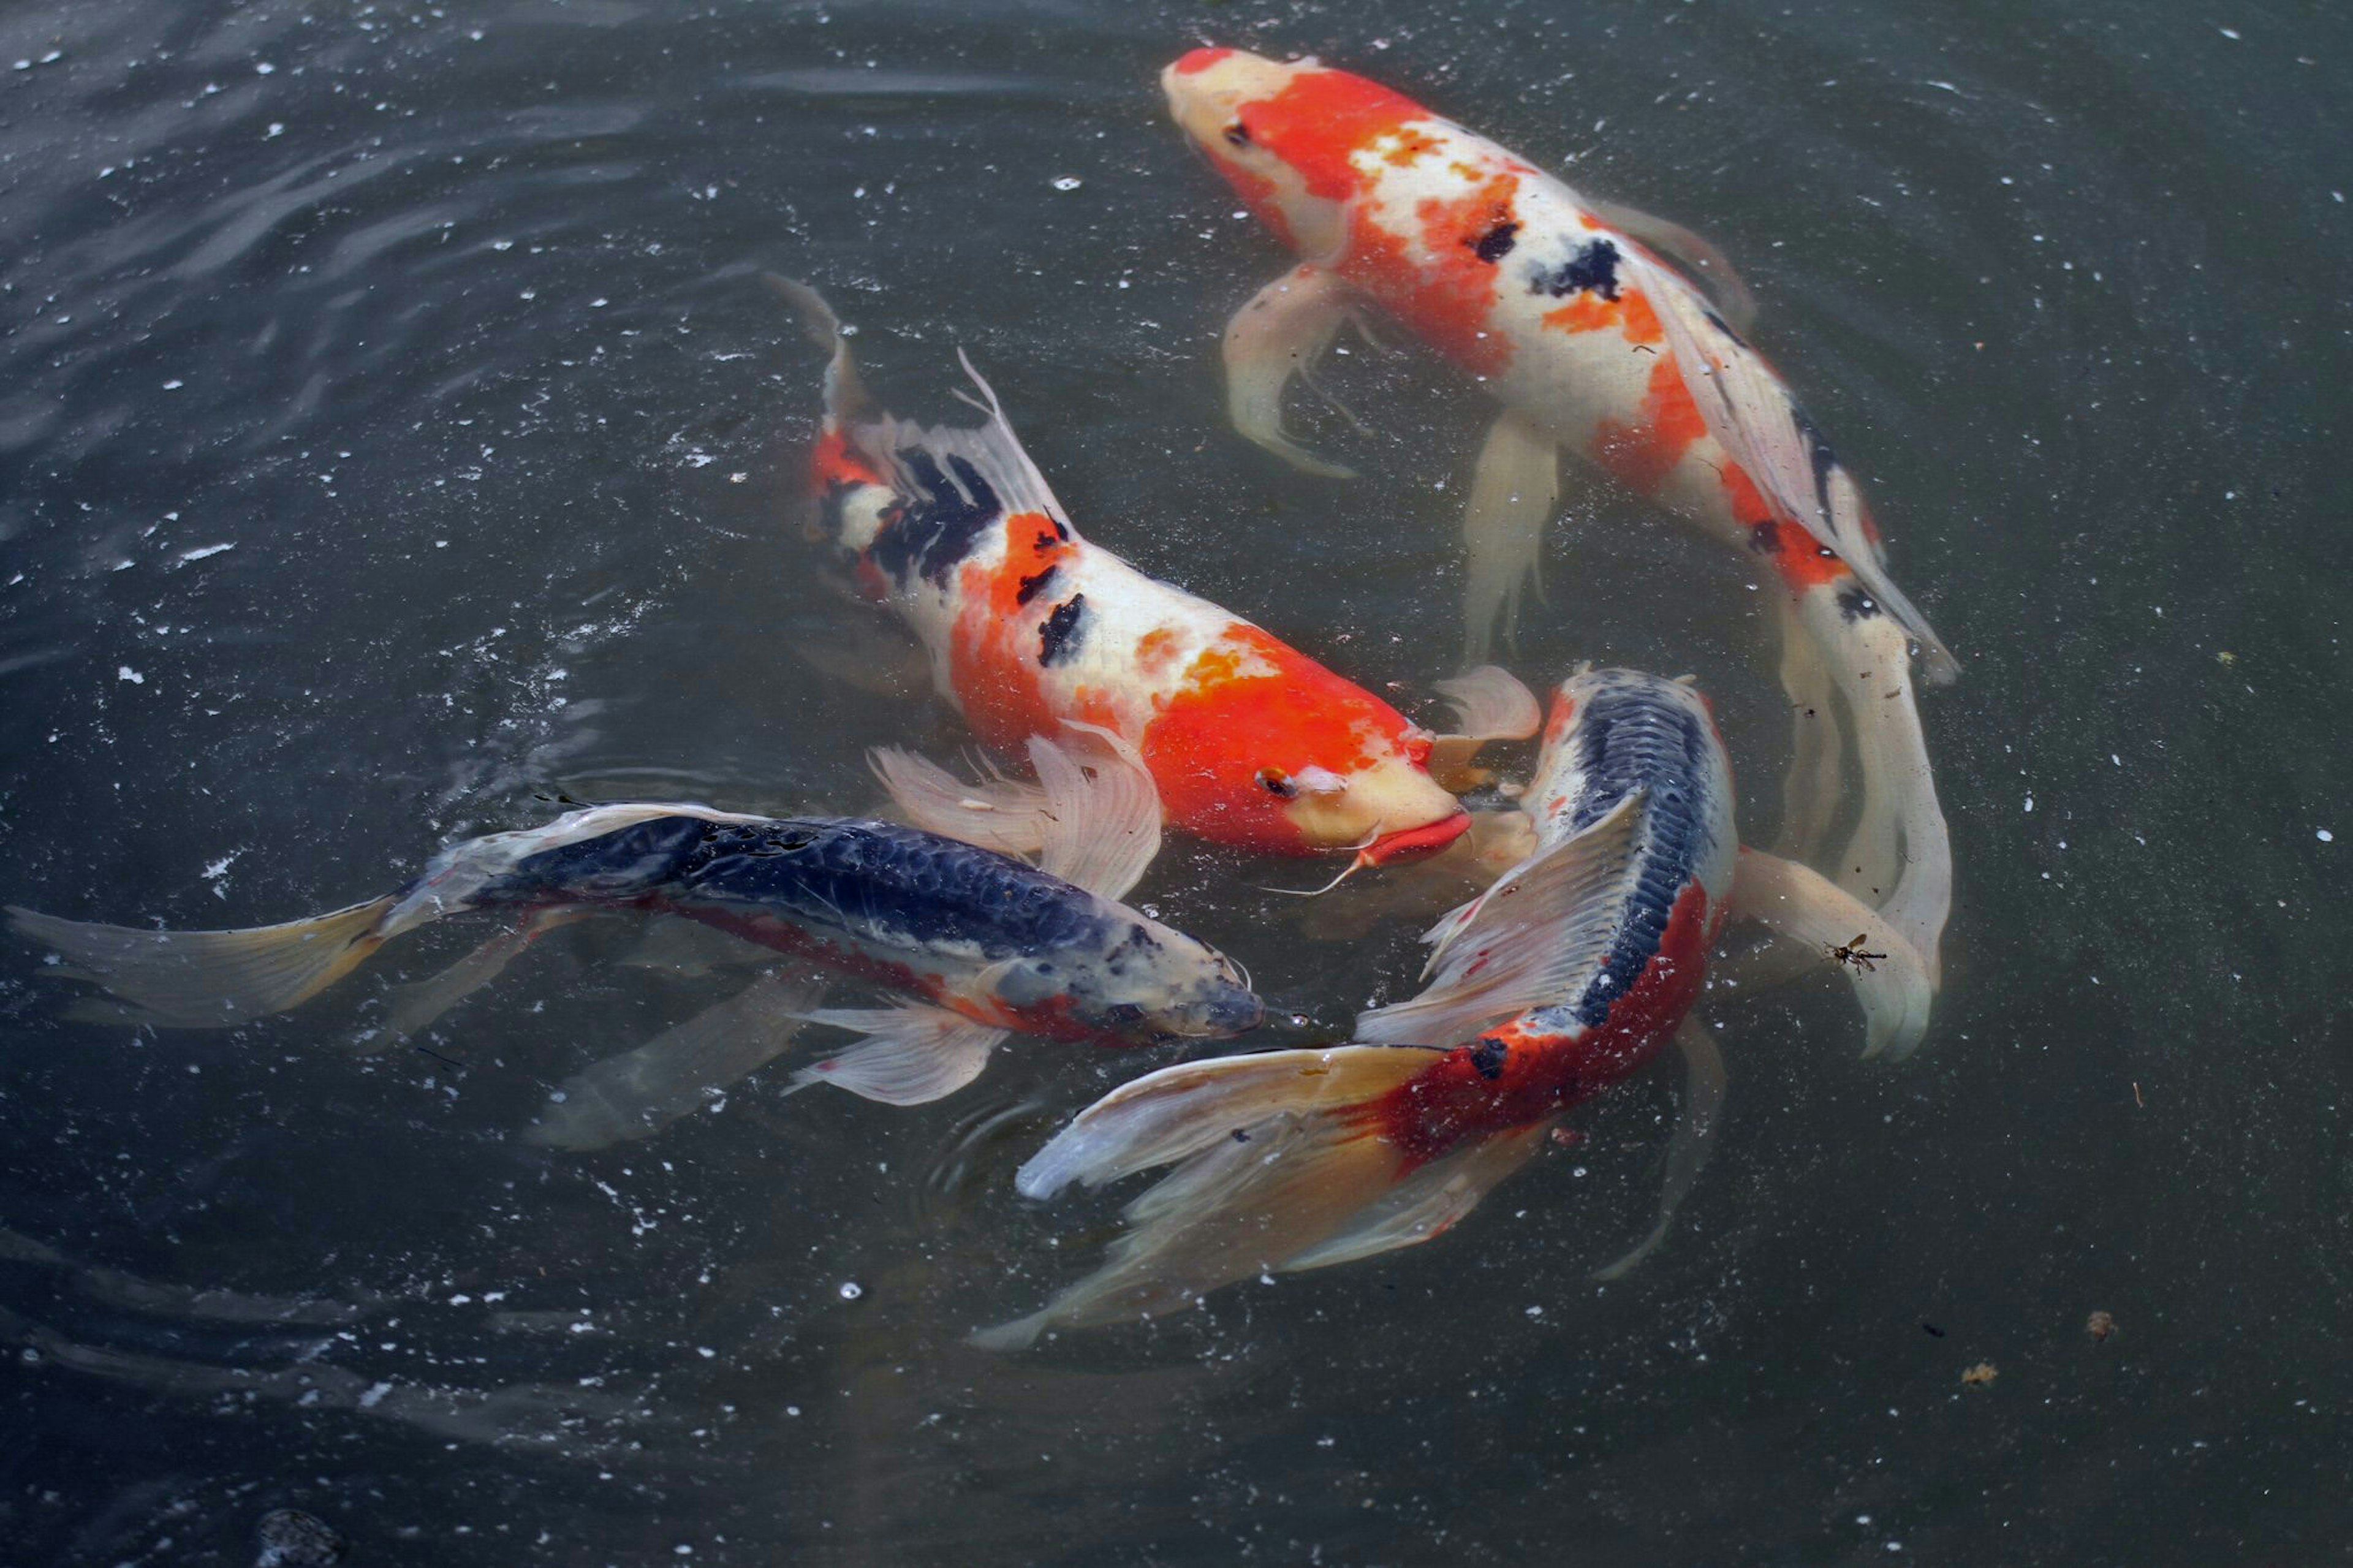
x=1899 y=857
x=845 y=397
x=1513 y=490
x=1891 y=981
x=913 y=1054
x=1272 y=1172
x=1704 y=1081
x=206 y=979
x=680 y=1071
x=1524 y=941
x=1749 y=409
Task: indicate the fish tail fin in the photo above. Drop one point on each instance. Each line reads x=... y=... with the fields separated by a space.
x=1275 y=1160
x=208 y=979
x=845 y=395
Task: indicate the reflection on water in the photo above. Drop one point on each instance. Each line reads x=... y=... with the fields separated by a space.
x=397 y=440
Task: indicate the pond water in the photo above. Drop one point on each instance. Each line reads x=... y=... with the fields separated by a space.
x=395 y=441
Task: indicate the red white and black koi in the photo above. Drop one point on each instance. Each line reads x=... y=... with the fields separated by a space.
x=1556 y=304
x=1029 y=626
x=1560 y=981
x=986 y=943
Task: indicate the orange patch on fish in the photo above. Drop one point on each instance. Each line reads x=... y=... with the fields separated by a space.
x=1320 y=120
x=1644 y=454
x=1409 y=146
x=1585 y=313
x=1446 y=299
x=1249 y=702
x=1641 y=321
x=993 y=660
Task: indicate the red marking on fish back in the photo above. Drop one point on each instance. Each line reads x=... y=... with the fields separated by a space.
x=1521 y=1072
x=993 y=657
x=1320 y=118
x=1197 y=61
x=1446 y=301
x=833 y=460
x=1645 y=453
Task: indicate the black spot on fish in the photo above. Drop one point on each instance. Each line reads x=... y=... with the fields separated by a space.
x=1058 y=637
x=938 y=526
x=1488 y=1057
x=1497 y=243
x=1765 y=538
x=1241 y=1134
x=1855 y=605
x=1594 y=269
x=1032 y=586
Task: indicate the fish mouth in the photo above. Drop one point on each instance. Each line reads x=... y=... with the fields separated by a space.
x=1413 y=843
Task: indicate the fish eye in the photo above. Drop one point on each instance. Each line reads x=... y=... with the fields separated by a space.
x=1237 y=134
x=1277 y=783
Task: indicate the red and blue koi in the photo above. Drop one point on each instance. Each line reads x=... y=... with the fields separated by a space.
x=1560 y=981
x=986 y=943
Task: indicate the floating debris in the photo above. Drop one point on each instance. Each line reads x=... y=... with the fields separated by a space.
x=289 y=1538
x=2099 y=1325
x=1980 y=1376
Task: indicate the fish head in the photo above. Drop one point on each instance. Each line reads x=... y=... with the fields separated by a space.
x=1284 y=134
x=1137 y=982
x=1264 y=748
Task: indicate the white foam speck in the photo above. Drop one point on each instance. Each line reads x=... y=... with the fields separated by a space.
x=131 y=675
x=2323 y=835
x=201 y=550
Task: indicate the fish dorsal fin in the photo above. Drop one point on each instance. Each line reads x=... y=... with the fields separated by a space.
x=1707 y=266
x=1530 y=941
x=991 y=451
x=1102 y=827
x=1749 y=409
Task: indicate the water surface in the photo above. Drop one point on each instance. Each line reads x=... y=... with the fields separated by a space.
x=393 y=441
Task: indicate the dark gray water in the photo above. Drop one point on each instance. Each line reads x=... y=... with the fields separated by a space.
x=443 y=320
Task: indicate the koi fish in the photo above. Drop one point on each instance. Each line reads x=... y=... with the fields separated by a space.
x=986 y=943
x=1560 y=306
x=1249 y=741
x=1560 y=981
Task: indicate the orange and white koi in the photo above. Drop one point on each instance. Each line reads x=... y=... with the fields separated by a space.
x=1249 y=741
x=1558 y=306
x=1559 y=981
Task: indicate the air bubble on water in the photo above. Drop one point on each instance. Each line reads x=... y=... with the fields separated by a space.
x=852 y=1290
x=1068 y=183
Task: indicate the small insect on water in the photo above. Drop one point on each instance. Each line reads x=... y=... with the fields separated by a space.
x=1851 y=953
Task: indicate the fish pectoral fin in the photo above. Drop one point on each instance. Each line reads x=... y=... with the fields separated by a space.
x=1704 y=1081
x=1710 y=267
x=681 y=1071
x=1801 y=903
x=208 y=979
x=1490 y=704
x=1008 y=815
x=913 y=1053
x=418 y=1003
x=1513 y=493
x=1101 y=817
x=1525 y=942
x=1279 y=334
